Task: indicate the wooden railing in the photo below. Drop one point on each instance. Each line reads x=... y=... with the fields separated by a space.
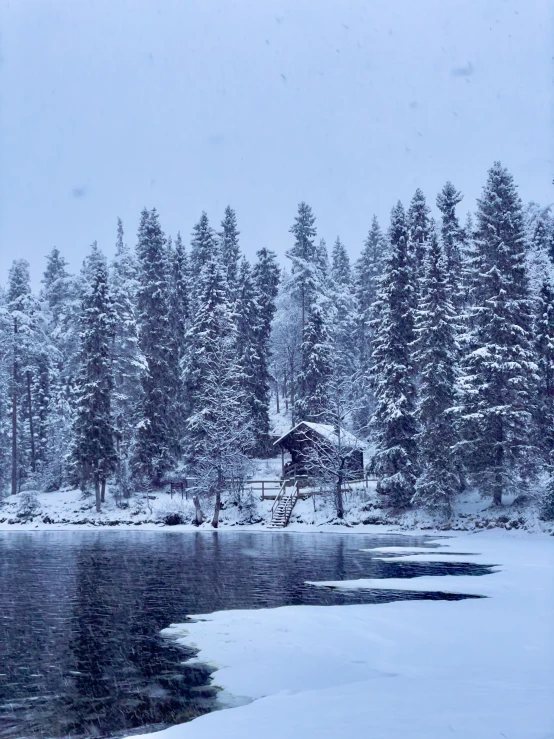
x=268 y=488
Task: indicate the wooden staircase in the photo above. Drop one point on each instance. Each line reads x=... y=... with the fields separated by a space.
x=284 y=505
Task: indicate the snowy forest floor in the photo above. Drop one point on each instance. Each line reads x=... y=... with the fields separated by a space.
x=426 y=669
x=70 y=509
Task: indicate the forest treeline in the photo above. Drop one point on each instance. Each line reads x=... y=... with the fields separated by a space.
x=436 y=346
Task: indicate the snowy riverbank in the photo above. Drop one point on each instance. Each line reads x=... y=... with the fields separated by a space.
x=159 y=511
x=475 y=669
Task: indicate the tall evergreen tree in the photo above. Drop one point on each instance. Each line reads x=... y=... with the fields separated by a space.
x=418 y=225
x=322 y=259
x=266 y=276
x=229 y=246
x=451 y=235
x=252 y=363
x=340 y=267
x=543 y=332
x=312 y=402
x=436 y=358
x=305 y=263
x=367 y=275
x=180 y=302
x=213 y=315
x=94 y=448
x=500 y=371
x=127 y=361
x=394 y=420
x=157 y=440
x=202 y=246
x=341 y=314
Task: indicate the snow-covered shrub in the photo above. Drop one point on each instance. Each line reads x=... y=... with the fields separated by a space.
x=248 y=509
x=28 y=504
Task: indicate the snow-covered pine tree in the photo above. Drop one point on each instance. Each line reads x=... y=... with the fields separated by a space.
x=394 y=419
x=341 y=315
x=452 y=236
x=340 y=264
x=316 y=358
x=418 y=226
x=157 y=438
x=305 y=273
x=24 y=346
x=322 y=258
x=367 y=275
x=202 y=246
x=229 y=246
x=212 y=312
x=180 y=297
x=437 y=353
x=542 y=271
x=500 y=370
x=94 y=446
x=126 y=357
x=286 y=346
x=60 y=297
x=266 y=275
x=253 y=368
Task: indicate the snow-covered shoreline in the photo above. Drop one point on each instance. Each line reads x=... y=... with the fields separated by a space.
x=68 y=510
x=476 y=669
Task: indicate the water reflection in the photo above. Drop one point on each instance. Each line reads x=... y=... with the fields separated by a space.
x=81 y=612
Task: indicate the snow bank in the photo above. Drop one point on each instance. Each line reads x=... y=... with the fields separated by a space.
x=474 y=669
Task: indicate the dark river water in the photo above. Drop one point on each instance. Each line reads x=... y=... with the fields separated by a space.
x=80 y=614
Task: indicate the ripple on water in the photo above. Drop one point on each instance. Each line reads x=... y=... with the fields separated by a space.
x=80 y=650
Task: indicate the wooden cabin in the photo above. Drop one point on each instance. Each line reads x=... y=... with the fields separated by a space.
x=307 y=442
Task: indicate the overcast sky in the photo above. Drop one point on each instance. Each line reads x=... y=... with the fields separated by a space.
x=108 y=106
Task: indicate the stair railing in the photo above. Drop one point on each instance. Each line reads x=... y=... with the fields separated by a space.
x=278 y=499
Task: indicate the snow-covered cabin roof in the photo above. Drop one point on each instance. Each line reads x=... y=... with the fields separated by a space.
x=327 y=432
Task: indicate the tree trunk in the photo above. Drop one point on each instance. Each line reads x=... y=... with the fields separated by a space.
x=291 y=384
x=217 y=508
x=103 y=491
x=14 y=425
x=339 y=503
x=498 y=464
x=97 y=490
x=31 y=424
x=285 y=396
x=199 y=514
x=277 y=394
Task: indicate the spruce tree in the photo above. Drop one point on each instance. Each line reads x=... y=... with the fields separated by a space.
x=94 y=447
x=312 y=402
x=253 y=368
x=266 y=276
x=28 y=351
x=180 y=296
x=367 y=275
x=543 y=332
x=213 y=315
x=127 y=360
x=418 y=225
x=229 y=246
x=341 y=314
x=500 y=371
x=322 y=260
x=340 y=265
x=157 y=439
x=305 y=261
x=437 y=351
x=202 y=246
x=451 y=235
x=394 y=420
